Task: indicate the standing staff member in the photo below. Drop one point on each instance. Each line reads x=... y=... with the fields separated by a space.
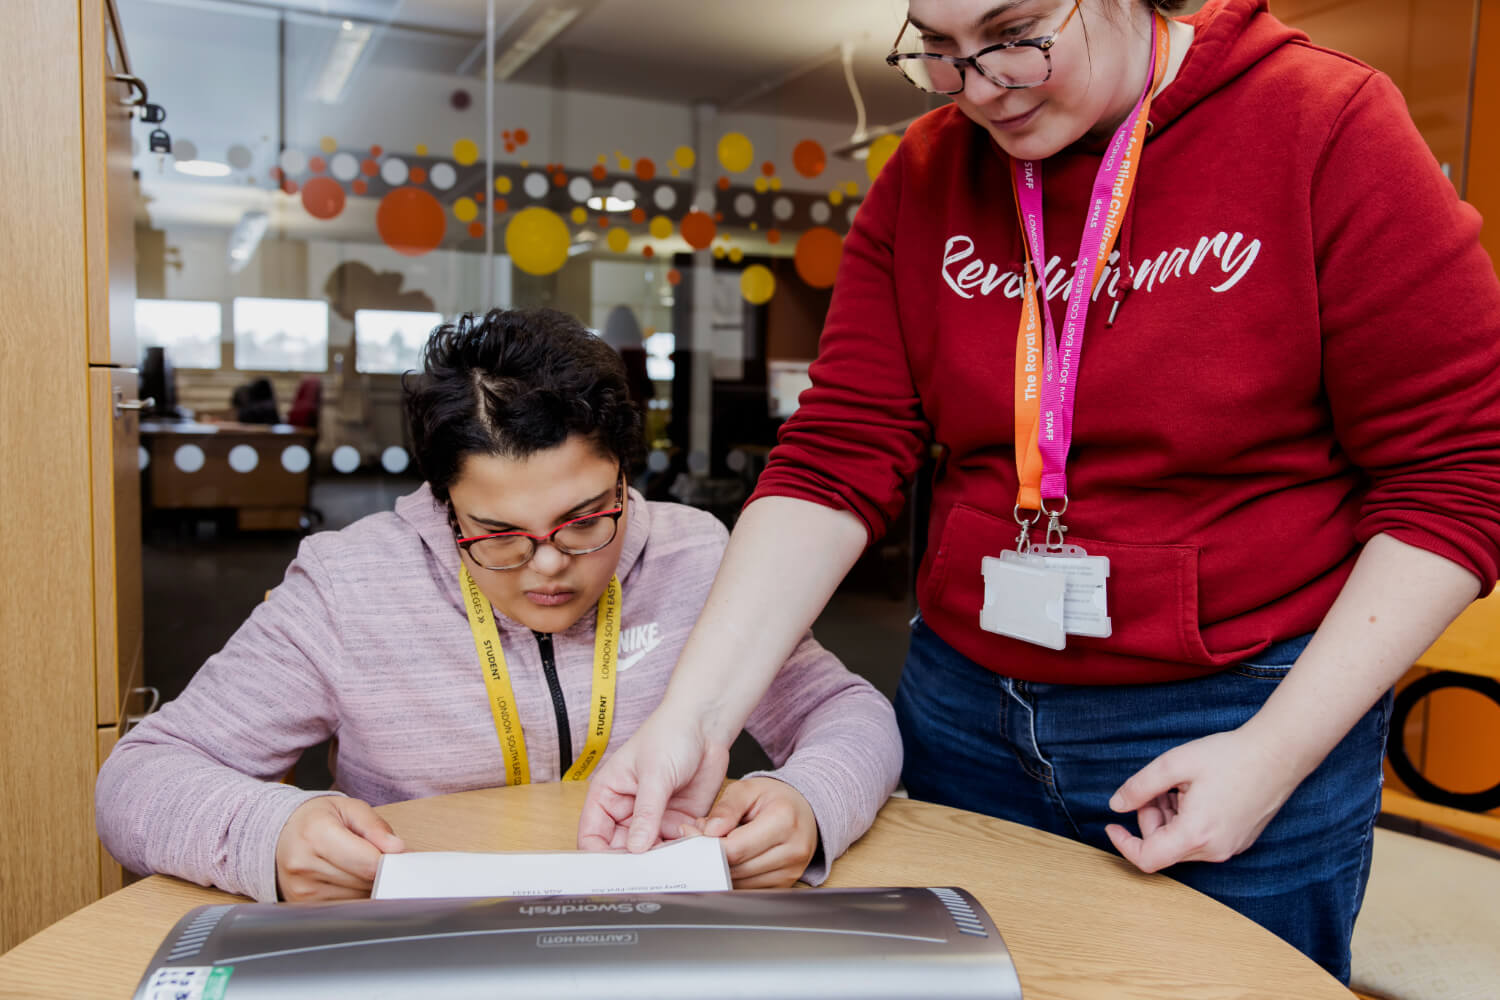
x=1209 y=346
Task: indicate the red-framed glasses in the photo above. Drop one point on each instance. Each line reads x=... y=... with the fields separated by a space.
x=501 y=550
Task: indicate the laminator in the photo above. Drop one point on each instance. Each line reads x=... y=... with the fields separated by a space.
x=785 y=944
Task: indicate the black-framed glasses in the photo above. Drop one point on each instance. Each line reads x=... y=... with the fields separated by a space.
x=502 y=550
x=1026 y=62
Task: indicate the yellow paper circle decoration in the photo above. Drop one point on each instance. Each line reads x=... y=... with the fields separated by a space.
x=466 y=151
x=580 y=214
x=736 y=152
x=537 y=240
x=880 y=151
x=684 y=157
x=502 y=185
x=327 y=145
x=465 y=210
x=618 y=239
x=757 y=284
x=661 y=227
x=736 y=254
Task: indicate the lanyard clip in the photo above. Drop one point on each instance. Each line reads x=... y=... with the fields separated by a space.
x=1023 y=540
x=1055 y=528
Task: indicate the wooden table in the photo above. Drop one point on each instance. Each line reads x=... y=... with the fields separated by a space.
x=1081 y=924
x=262 y=472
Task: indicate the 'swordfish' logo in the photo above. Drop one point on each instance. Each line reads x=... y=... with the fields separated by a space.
x=564 y=909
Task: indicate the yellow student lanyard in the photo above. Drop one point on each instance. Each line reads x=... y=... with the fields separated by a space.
x=503 y=700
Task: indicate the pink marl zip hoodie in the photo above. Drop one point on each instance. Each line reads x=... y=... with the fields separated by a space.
x=366 y=639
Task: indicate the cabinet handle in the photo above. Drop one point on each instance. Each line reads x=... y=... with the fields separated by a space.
x=136 y=84
x=121 y=405
x=131 y=721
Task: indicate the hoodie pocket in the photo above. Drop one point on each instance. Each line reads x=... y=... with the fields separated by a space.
x=1153 y=589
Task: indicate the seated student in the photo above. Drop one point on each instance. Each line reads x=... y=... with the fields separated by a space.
x=524 y=430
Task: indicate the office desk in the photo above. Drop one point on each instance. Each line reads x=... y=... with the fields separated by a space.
x=1081 y=924
x=263 y=472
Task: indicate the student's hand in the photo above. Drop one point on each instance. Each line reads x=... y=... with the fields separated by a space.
x=665 y=773
x=1206 y=800
x=769 y=831
x=329 y=849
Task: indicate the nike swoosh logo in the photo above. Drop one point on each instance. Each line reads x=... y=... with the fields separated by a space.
x=634 y=658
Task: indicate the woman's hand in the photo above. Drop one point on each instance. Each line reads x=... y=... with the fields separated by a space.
x=1206 y=800
x=330 y=848
x=640 y=795
x=769 y=831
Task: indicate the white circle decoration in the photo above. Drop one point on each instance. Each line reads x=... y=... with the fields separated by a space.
x=623 y=191
x=658 y=460
x=394 y=171
x=736 y=460
x=293 y=162
x=443 y=176
x=243 y=458
x=535 y=185
x=295 y=459
x=239 y=156
x=580 y=189
x=188 y=458
x=346 y=458
x=705 y=201
x=142 y=457
x=394 y=460
x=185 y=149
x=343 y=167
x=853 y=210
x=820 y=212
x=697 y=463
x=782 y=208
x=744 y=204
x=665 y=198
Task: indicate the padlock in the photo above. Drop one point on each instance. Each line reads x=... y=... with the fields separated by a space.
x=153 y=113
x=159 y=140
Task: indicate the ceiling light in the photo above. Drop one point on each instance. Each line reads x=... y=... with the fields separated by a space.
x=548 y=25
x=202 y=168
x=348 y=45
x=245 y=238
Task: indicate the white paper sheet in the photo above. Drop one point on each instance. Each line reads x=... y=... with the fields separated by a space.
x=693 y=865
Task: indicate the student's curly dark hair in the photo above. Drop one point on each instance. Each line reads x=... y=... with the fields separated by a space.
x=516 y=382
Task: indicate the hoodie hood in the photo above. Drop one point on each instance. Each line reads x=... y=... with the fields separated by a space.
x=1229 y=36
x=424 y=514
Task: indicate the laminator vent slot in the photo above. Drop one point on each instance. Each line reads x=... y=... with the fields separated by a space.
x=197 y=932
x=963 y=914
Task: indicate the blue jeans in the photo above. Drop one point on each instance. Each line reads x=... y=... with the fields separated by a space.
x=1050 y=756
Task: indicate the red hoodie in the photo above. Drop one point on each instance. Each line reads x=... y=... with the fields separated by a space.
x=1304 y=355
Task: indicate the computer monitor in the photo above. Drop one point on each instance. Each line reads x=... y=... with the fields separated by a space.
x=785 y=381
x=158 y=383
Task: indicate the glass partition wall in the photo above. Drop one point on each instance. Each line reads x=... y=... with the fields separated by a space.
x=329 y=179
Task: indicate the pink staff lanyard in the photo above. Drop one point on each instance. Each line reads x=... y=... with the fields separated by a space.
x=1044 y=413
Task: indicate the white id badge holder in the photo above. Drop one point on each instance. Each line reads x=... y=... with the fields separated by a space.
x=1086 y=595
x=1024 y=599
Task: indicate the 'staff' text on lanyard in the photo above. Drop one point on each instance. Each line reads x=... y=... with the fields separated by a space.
x=502 y=698
x=1044 y=594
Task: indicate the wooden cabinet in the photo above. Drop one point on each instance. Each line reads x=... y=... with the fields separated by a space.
x=70 y=562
